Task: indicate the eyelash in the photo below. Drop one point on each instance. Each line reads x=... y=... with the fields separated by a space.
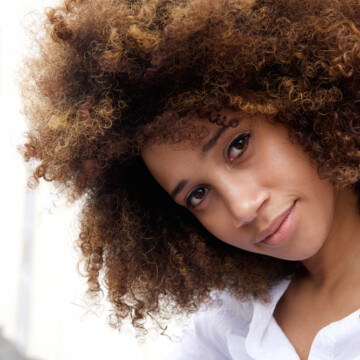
x=191 y=196
x=244 y=139
x=245 y=142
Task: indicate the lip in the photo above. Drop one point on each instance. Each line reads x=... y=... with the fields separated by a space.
x=279 y=229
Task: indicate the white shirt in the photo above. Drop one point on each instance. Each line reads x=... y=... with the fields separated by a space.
x=247 y=330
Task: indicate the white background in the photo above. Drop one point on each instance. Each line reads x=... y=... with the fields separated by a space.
x=42 y=303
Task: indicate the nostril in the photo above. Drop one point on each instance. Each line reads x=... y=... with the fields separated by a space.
x=246 y=211
x=240 y=220
x=244 y=198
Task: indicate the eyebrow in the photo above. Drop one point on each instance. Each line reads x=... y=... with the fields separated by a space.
x=213 y=140
x=205 y=148
x=178 y=188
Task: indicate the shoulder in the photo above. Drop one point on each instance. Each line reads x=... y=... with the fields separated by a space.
x=220 y=329
x=225 y=313
x=214 y=328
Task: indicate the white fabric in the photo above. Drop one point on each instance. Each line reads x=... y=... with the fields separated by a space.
x=247 y=330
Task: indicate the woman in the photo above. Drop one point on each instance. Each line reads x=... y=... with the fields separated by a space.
x=247 y=114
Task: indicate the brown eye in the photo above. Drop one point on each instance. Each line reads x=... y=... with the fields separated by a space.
x=238 y=146
x=196 y=196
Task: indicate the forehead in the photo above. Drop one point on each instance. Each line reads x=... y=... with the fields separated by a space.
x=189 y=131
x=170 y=163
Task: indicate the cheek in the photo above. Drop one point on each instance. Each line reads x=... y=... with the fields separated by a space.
x=319 y=208
x=292 y=171
x=303 y=174
x=219 y=223
x=316 y=200
x=216 y=221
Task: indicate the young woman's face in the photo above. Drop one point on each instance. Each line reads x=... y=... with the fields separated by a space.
x=250 y=187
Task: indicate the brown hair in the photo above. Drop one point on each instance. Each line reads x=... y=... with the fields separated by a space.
x=106 y=69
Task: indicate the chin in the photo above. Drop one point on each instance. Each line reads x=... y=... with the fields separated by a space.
x=300 y=255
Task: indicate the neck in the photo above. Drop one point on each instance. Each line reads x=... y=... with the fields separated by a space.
x=338 y=259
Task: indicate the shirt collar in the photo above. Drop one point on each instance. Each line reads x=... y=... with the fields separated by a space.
x=262 y=316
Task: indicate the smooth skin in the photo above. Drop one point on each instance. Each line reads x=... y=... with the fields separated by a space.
x=241 y=183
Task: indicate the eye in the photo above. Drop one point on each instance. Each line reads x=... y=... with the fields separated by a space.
x=237 y=147
x=196 y=196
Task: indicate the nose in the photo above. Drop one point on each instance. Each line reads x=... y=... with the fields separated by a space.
x=244 y=199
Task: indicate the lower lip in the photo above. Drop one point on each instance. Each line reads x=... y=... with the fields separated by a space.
x=284 y=230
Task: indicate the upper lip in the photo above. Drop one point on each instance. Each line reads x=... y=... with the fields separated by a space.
x=274 y=225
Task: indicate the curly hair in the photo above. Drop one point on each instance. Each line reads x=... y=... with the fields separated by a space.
x=111 y=74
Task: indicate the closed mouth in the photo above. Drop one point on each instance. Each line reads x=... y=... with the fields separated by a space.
x=277 y=224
